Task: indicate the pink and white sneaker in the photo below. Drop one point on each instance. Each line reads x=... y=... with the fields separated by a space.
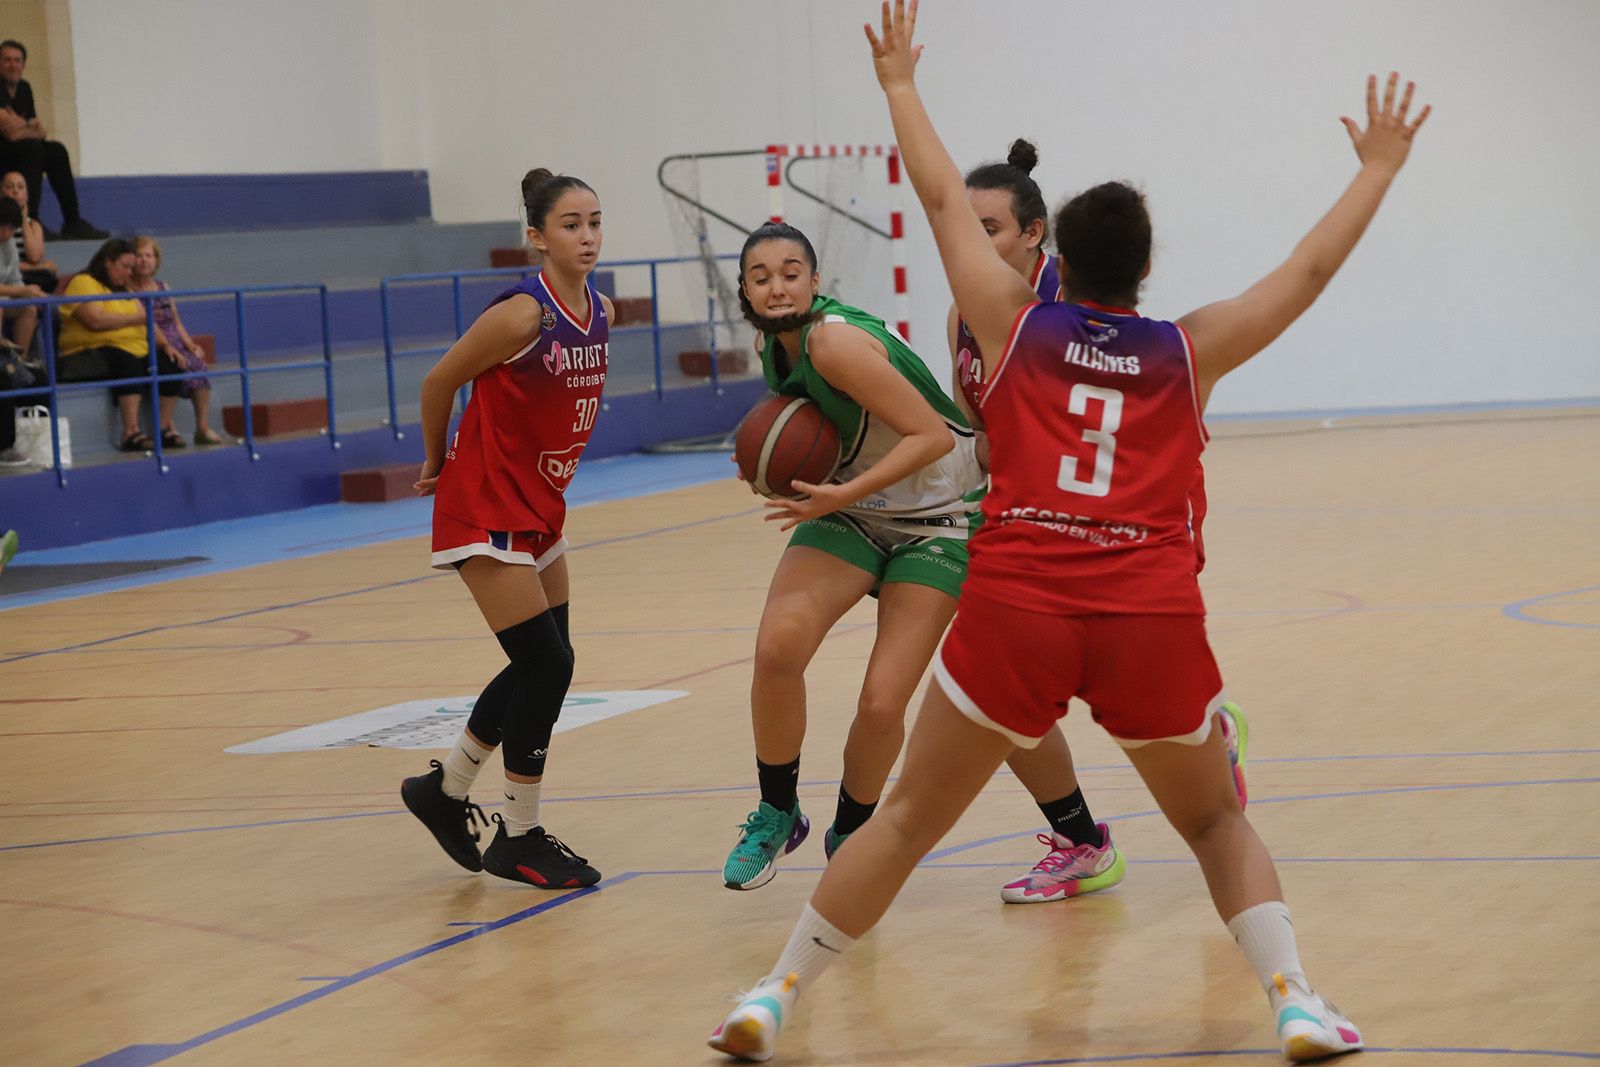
x=1309 y=1027
x=1236 y=732
x=1068 y=870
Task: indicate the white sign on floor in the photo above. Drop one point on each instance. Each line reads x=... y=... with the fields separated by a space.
x=435 y=723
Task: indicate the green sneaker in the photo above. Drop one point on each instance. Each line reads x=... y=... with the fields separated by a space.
x=8 y=547
x=767 y=833
x=831 y=840
x=1236 y=732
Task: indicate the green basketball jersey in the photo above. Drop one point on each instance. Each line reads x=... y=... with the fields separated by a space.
x=934 y=501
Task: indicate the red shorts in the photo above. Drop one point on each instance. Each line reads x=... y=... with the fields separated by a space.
x=1145 y=677
x=454 y=541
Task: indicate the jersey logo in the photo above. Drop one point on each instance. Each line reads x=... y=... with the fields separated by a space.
x=548 y=319
x=971 y=369
x=559 y=467
x=555 y=360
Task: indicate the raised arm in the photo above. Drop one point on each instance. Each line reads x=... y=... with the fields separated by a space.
x=503 y=329
x=1227 y=333
x=986 y=289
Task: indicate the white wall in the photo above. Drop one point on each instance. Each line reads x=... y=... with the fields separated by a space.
x=1473 y=285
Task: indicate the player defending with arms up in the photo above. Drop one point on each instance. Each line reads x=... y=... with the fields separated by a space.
x=1094 y=438
x=537 y=361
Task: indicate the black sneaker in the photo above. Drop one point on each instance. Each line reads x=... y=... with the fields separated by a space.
x=537 y=858
x=448 y=819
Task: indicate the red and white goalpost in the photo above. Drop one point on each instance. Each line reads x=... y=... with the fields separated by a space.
x=897 y=228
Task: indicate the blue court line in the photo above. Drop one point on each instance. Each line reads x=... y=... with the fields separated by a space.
x=354 y=592
x=1254 y=802
x=1518 y=610
x=140 y=1055
x=678 y=792
x=1424 y=1050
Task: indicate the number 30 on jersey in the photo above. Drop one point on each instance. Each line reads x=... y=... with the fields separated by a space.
x=588 y=408
x=1103 y=437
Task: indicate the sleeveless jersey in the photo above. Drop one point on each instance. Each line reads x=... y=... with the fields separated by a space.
x=528 y=421
x=1095 y=439
x=934 y=501
x=1046 y=281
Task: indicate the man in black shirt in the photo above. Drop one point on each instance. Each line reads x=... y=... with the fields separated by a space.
x=25 y=147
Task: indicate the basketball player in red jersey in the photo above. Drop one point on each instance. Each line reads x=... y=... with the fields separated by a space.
x=1082 y=580
x=1080 y=857
x=537 y=361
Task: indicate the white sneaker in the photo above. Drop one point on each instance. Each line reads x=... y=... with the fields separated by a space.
x=1309 y=1028
x=751 y=1029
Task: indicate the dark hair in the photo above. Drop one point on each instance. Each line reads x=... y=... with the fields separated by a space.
x=774 y=231
x=115 y=248
x=1027 y=202
x=18 y=45
x=10 y=213
x=1104 y=237
x=540 y=191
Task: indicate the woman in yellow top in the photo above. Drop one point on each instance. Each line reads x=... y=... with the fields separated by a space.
x=109 y=339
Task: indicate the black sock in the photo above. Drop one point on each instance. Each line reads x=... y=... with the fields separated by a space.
x=851 y=813
x=1070 y=818
x=780 y=784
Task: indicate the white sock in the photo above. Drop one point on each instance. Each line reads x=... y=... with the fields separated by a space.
x=1265 y=933
x=814 y=945
x=461 y=766
x=521 y=813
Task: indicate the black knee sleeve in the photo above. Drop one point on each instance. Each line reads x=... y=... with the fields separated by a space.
x=542 y=669
x=488 y=718
x=559 y=613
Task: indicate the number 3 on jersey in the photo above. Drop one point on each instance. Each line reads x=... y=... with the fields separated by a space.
x=588 y=408
x=1103 y=437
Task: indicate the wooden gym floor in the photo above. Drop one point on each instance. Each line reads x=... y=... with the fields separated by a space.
x=1408 y=608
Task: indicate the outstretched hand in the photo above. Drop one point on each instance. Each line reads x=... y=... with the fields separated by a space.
x=893 y=55
x=817 y=501
x=1387 y=139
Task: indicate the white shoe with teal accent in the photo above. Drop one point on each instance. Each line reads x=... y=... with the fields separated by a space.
x=750 y=1030
x=1236 y=732
x=1310 y=1028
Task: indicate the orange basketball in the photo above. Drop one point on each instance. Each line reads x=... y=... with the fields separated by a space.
x=785 y=439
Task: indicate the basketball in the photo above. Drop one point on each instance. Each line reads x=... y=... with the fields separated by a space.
x=782 y=440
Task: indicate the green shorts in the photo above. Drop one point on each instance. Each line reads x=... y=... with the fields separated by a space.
x=889 y=555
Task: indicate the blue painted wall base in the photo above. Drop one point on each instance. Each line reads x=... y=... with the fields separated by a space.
x=112 y=500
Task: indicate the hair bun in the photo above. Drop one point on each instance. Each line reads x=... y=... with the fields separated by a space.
x=533 y=179
x=1023 y=156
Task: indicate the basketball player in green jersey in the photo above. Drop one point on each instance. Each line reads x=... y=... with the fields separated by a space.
x=892 y=524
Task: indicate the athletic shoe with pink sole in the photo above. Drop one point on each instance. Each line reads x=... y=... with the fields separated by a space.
x=1236 y=732
x=1309 y=1027
x=1068 y=870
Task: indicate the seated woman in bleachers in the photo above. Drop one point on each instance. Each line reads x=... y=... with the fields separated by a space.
x=36 y=268
x=109 y=339
x=175 y=343
x=20 y=319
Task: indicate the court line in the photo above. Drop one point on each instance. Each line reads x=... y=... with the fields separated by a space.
x=141 y=1055
x=355 y=592
x=932 y=855
x=1517 y=612
x=1146 y=1057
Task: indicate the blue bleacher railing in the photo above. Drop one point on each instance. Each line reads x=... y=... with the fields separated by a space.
x=50 y=392
x=455 y=278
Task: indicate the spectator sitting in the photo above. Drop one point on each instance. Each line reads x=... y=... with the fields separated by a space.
x=175 y=342
x=23 y=319
x=36 y=269
x=109 y=339
x=25 y=146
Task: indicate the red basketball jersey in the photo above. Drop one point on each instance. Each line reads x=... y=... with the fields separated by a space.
x=1046 y=281
x=528 y=421
x=1095 y=439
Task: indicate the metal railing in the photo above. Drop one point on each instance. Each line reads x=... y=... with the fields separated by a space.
x=455 y=278
x=53 y=388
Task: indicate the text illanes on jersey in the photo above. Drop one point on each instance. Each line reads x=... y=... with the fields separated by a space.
x=1094 y=359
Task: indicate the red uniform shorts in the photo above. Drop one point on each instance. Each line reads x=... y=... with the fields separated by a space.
x=454 y=541
x=1145 y=677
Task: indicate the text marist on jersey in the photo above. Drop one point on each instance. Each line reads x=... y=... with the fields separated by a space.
x=1094 y=359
